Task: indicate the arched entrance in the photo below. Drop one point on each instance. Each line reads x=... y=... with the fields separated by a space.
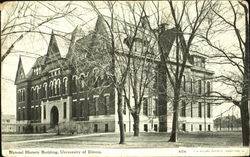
x=54 y=117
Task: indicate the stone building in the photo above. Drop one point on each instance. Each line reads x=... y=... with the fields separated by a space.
x=61 y=89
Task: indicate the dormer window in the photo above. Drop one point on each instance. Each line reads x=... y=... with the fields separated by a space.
x=37 y=70
x=199 y=61
x=55 y=72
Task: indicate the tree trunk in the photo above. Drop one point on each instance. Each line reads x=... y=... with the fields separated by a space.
x=136 y=118
x=245 y=123
x=174 y=133
x=120 y=117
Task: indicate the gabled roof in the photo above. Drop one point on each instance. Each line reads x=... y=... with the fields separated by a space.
x=20 y=74
x=53 y=50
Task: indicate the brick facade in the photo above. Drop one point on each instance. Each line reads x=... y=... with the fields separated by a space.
x=52 y=93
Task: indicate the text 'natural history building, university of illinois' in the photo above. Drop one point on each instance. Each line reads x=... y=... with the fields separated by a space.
x=61 y=88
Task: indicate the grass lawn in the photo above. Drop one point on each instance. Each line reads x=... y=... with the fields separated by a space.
x=145 y=140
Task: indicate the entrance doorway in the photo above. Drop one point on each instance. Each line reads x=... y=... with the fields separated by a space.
x=54 y=117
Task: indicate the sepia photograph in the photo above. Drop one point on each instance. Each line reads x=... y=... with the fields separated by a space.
x=125 y=78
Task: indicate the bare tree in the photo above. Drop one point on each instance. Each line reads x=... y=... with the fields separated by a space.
x=22 y=18
x=186 y=27
x=232 y=18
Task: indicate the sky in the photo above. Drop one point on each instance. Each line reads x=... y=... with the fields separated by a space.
x=34 y=45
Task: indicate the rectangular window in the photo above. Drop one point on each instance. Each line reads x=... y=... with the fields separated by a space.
x=199 y=86
x=208 y=110
x=155 y=127
x=183 y=109
x=96 y=105
x=191 y=86
x=208 y=88
x=183 y=127
x=19 y=114
x=199 y=110
x=23 y=113
x=191 y=110
x=106 y=104
x=155 y=107
x=146 y=127
x=200 y=127
x=80 y=108
x=95 y=128
x=44 y=112
x=37 y=113
x=192 y=127
x=74 y=109
x=106 y=127
x=209 y=128
x=64 y=110
x=145 y=106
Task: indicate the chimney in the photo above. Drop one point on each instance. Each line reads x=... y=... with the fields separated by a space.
x=163 y=27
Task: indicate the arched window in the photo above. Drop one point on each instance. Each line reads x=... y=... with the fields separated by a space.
x=44 y=90
x=74 y=83
x=37 y=92
x=51 y=88
x=23 y=94
x=58 y=86
x=81 y=82
x=55 y=87
x=65 y=85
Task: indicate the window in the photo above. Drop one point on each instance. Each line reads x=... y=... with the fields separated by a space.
x=191 y=110
x=183 y=109
x=208 y=88
x=208 y=110
x=106 y=104
x=194 y=86
x=45 y=90
x=81 y=107
x=64 y=109
x=199 y=86
x=145 y=106
x=96 y=105
x=191 y=85
x=23 y=113
x=18 y=114
x=23 y=94
x=200 y=127
x=146 y=127
x=74 y=84
x=106 y=127
x=44 y=112
x=184 y=83
x=155 y=127
x=192 y=127
x=209 y=128
x=37 y=113
x=95 y=128
x=74 y=109
x=155 y=107
x=65 y=86
x=183 y=127
x=199 y=110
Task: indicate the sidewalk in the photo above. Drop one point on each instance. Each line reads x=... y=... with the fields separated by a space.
x=59 y=138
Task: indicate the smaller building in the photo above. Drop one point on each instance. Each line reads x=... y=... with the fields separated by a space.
x=8 y=123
